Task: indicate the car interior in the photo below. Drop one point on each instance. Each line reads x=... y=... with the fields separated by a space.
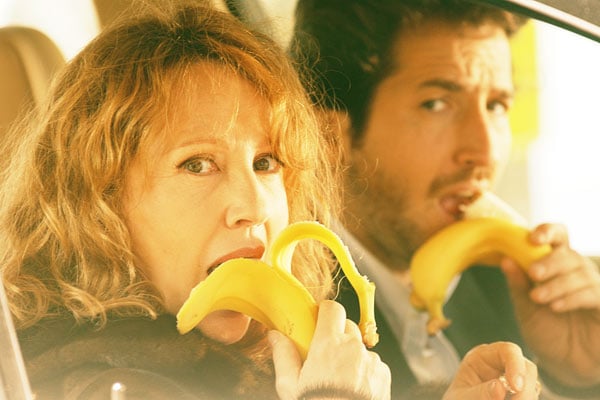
x=554 y=174
x=29 y=59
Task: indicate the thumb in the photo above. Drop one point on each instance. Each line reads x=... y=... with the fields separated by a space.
x=287 y=363
x=518 y=281
x=519 y=286
x=516 y=277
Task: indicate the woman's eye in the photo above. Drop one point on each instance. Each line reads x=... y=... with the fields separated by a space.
x=434 y=105
x=199 y=165
x=266 y=163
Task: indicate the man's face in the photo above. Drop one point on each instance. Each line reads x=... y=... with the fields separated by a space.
x=436 y=137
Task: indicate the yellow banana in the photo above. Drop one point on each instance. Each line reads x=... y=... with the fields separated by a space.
x=272 y=295
x=455 y=248
x=281 y=255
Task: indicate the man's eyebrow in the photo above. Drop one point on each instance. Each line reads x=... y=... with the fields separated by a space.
x=452 y=86
x=506 y=94
x=443 y=84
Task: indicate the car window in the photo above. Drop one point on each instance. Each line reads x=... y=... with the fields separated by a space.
x=555 y=174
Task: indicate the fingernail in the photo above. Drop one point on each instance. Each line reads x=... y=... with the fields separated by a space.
x=506 y=385
x=518 y=382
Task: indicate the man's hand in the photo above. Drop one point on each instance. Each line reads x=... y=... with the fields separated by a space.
x=557 y=303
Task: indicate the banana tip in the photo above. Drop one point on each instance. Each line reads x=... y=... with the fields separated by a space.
x=436 y=324
x=181 y=330
x=182 y=327
x=370 y=335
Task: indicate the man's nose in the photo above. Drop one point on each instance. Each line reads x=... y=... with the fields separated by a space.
x=477 y=140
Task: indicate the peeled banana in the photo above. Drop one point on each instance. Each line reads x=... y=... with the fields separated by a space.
x=271 y=295
x=455 y=248
x=490 y=205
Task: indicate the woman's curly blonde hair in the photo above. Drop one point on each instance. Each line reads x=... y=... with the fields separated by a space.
x=65 y=247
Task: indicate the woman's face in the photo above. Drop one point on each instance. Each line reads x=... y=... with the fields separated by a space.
x=210 y=192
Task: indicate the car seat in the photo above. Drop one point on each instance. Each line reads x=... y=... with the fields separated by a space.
x=109 y=10
x=28 y=60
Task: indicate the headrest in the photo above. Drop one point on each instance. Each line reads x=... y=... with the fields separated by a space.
x=28 y=60
x=108 y=10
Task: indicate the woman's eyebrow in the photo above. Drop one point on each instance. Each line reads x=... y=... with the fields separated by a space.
x=211 y=139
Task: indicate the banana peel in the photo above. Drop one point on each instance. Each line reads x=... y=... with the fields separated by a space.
x=269 y=295
x=273 y=296
x=458 y=246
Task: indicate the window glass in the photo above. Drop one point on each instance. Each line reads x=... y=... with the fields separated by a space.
x=69 y=23
x=554 y=174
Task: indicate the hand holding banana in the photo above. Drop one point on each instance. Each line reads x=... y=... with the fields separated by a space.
x=457 y=247
x=272 y=295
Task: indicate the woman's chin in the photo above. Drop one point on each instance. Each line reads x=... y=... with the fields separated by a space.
x=225 y=326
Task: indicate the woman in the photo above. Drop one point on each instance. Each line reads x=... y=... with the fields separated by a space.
x=169 y=145
x=174 y=141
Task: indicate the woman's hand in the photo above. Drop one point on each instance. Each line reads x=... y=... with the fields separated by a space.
x=491 y=371
x=338 y=365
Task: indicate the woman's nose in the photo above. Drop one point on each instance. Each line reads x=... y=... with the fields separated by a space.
x=248 y=202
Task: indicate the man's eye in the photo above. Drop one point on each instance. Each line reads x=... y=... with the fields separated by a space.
x=199 y=165
x=434 y=105
x=267 y=163
x=498 y=107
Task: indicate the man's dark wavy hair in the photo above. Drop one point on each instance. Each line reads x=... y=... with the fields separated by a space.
x=343 y=47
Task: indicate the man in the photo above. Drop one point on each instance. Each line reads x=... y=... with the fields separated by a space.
x=421 y=90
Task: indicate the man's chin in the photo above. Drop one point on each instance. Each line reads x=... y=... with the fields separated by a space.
x=225 y=326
